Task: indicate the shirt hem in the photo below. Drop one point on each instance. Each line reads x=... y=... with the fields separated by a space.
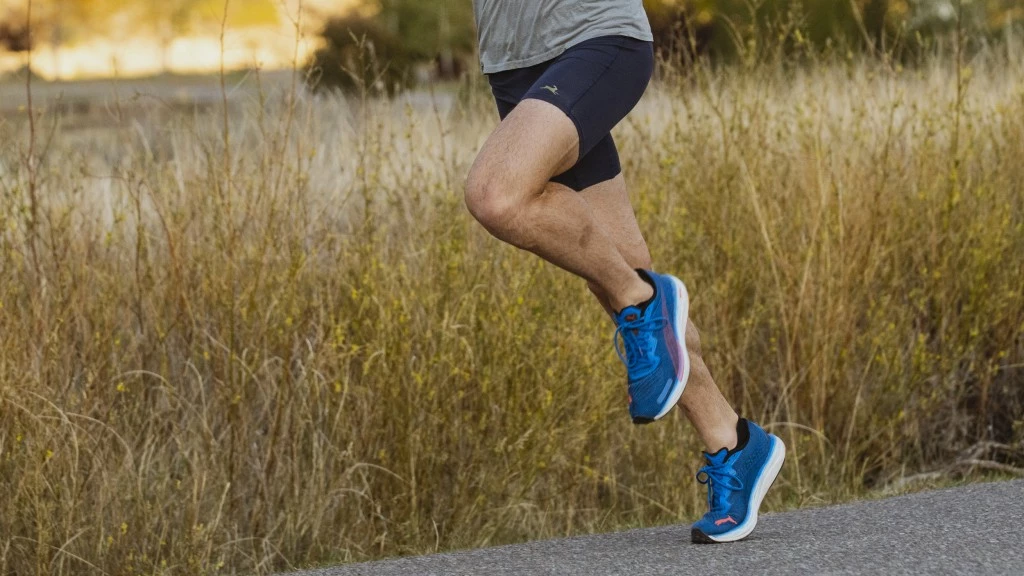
x=643 y=36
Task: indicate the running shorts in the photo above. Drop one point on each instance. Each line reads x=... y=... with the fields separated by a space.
x=596 y=84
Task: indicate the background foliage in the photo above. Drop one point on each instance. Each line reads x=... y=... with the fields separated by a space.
x=241 y=341
x=405 y=32
x=58 y=22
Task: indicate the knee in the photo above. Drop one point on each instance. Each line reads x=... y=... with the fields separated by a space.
x=489 y=201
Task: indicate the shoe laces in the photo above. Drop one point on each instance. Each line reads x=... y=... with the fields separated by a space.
x=721 y=480
x=639 y=349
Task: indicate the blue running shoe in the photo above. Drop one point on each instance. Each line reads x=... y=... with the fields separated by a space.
x=653 y=348
x=737 y=481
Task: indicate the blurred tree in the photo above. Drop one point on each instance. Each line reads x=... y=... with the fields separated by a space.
x=680 y=26
x=385 y=46
x=57 y=23
x=725 y=26
x=167 y=20
x=441 y=30
x=431 y=27
x=63 y=21
x=360 y=52
x=14 y=36
x=170 y=19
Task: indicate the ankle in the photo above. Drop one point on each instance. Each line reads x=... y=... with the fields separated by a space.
x=724 y=435
x=636 y=293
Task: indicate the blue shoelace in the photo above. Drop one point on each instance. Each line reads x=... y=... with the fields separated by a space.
x=639 y=345
x=721 y=481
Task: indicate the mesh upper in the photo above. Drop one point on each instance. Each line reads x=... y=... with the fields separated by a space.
x=646 y=390
x=747 y=464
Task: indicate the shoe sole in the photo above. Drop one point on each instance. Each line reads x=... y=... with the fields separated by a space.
x=679 y=324
x=764 y=483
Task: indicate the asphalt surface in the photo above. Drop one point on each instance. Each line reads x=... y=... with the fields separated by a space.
x=976 y=529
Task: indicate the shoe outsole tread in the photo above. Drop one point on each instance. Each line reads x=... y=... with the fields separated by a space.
x=699 y=537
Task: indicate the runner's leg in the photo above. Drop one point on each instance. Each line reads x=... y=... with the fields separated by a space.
x=609 y=202
x=509 y=192
x=702 y=401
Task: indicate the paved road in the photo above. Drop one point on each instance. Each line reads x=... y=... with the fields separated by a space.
x=972 y=530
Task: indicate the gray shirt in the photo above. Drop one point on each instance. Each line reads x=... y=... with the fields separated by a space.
x=522 y=33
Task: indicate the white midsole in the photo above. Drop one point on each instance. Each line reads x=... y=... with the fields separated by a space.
x=682 y=316
x=764 y=482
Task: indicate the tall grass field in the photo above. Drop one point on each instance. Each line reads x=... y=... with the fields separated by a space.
x=251 y=339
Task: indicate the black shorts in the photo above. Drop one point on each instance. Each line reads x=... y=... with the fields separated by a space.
x=596 y=83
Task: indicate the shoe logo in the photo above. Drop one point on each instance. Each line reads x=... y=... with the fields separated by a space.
x=552 y=89
x=726 y=520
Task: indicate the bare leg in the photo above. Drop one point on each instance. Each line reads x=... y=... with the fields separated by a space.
x=702 y=402
x=508 y=191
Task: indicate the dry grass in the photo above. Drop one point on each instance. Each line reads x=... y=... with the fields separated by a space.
x=287 y=343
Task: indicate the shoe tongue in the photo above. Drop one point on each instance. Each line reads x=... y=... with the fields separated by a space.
x=629 y=314
x=718 y=458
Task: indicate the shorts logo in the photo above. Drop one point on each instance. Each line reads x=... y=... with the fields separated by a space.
x=552 y=89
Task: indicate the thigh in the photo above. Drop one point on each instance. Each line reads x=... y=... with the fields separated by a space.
x=533 y=143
